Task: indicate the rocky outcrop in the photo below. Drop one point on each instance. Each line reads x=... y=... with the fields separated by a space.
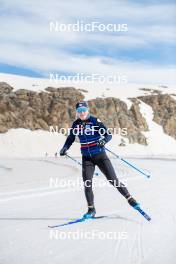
x=28 y=109
x=5 y=88
x=115 y=114
x=56 y=107
x=164 y=109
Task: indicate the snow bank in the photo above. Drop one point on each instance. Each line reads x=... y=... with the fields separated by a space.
x=26 y=143
x=94 y=89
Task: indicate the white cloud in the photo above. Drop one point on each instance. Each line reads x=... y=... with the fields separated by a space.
x=27 y=42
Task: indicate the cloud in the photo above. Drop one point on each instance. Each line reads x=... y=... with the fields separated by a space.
x=27 y=42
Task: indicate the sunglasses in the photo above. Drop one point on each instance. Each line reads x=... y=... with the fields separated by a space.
x=82 y=110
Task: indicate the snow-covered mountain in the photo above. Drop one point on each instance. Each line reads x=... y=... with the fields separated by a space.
x=149 y=111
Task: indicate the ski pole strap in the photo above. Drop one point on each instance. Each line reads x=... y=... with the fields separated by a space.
x=128 y=163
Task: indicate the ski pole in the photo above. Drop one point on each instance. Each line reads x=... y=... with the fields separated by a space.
x=128 y=163
x=96 y=173
x=74 y=160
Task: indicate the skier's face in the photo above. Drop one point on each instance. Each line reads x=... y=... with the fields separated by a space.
x=83 y=113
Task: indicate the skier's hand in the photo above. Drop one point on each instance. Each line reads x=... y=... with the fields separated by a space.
x=63 y=151
x=101 y=143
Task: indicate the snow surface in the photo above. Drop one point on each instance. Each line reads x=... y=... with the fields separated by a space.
x=25 y=143
x=94 y=89
x=29 y=204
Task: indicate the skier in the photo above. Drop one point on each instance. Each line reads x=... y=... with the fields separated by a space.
x=89 y=130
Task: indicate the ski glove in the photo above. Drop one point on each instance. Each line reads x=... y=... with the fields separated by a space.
x=101 y=143
x=63 y=151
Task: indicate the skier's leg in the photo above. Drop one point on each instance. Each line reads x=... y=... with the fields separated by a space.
x=88 y=168
x=105 y=165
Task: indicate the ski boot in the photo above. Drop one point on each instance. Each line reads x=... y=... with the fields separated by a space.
x=90 y=213
x=133 y=202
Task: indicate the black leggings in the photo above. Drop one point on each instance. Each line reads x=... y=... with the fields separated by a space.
x=104 y=164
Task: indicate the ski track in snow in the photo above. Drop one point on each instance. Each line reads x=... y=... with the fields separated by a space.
x=118 y=245
x=56 y=163
x=5 y=168
x=24 y=220
x=136 y=250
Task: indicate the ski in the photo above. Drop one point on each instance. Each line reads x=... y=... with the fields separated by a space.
x=146 y=216
x=83 y=219
x=79 y=220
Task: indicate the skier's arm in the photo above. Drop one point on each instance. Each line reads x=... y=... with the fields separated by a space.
x=69 y=141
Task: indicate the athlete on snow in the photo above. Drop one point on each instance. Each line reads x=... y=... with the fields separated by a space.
x=89 y=130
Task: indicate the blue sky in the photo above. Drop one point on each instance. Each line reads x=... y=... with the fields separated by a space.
x=145 y=51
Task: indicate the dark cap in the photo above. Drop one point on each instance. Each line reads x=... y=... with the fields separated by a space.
x=82 y=104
